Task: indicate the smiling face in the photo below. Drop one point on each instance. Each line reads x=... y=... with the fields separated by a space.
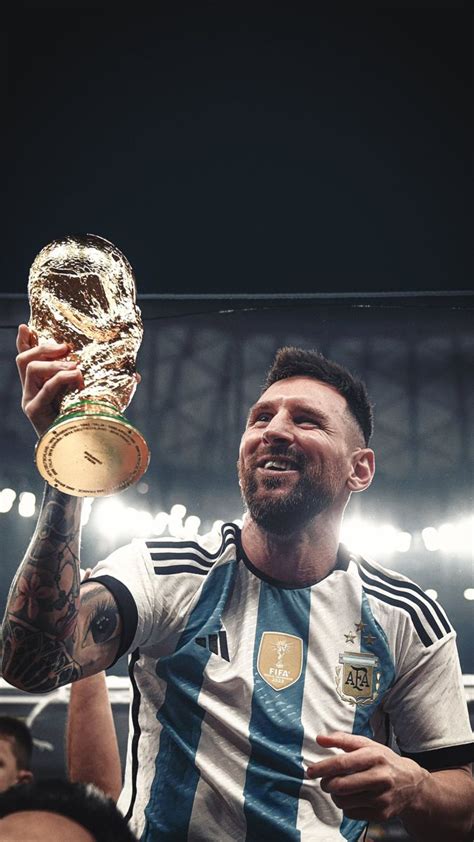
x=296 y=454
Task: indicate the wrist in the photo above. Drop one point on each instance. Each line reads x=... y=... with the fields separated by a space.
x=439 y=808
x=421 y=794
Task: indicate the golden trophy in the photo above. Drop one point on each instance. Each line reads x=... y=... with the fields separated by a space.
x=82 y=291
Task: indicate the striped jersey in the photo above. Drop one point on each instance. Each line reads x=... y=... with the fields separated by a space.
x=234 y=674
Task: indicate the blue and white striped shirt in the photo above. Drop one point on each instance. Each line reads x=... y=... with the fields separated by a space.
x=235 y=674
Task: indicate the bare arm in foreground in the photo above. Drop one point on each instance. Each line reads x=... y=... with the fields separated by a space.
x=370 y=781
x=52 y=635
x=91 y=740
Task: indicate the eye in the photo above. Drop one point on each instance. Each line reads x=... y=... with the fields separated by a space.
x=307 y=421
x=261 y=418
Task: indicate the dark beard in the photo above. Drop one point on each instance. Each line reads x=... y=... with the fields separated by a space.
x=312 y=494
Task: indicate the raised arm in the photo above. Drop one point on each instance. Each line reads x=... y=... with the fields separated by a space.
x=50 y=635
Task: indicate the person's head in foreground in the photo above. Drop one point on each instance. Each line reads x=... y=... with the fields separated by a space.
x=16 y=748
x=55 y=809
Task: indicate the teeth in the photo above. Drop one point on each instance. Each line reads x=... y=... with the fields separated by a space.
x=275 y=463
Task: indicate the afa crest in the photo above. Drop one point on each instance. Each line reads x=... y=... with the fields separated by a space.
x=358 y=677
x=280 y=659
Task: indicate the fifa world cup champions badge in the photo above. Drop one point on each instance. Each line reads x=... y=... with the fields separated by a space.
x=280 y=659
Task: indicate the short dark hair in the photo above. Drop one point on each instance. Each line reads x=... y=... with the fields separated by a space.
x=21 y=740
x=82 y=803
x=299 y=362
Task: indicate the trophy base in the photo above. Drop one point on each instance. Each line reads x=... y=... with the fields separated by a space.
x=92 y=452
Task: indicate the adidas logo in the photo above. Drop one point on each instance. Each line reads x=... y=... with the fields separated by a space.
x=216 y=643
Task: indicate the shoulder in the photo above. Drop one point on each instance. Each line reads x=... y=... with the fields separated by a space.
x=172 y=556
x=401 y=598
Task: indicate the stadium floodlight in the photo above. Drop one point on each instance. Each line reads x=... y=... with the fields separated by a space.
x=178 y=511
x=191 y=526
x=403 y=541
x=7 y=498
x=367 y=539
x=110 y=517
x=430 y=538
x=362 y=536
x=453 y=538
x=449 y=538
x=175 y=527
x=139 y=522
x=27 y=504
x=175 y=521
x=160 y=522
x=458 y=537
x=86 y=510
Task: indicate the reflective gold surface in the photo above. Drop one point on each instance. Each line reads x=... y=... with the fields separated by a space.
x=91 y=455
x=82 y=291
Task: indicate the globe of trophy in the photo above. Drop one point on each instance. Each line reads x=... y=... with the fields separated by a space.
x=82 y=291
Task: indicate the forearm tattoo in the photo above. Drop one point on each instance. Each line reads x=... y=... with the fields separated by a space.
x=40 y=620
x=102 y=627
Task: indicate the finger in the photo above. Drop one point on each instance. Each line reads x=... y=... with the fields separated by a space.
x=343 y=764
x=361 y=807
x=43 y=409
x=52 y=390
x=365 y=806
x=38 y=373
x=361 y=800
x=339 y=739
x=373 y=781
x=24 y=339
x=48 y=351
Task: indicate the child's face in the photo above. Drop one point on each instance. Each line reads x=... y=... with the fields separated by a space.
x=9 y=772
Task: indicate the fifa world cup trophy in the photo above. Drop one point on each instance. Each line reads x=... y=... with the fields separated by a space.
x=82 y=291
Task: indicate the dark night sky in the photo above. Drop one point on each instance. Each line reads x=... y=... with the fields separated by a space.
x=270 y=151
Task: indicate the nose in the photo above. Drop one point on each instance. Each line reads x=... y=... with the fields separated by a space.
x=278 y=430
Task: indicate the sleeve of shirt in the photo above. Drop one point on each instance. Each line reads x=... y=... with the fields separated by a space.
x=427 y=704
x=150 y=609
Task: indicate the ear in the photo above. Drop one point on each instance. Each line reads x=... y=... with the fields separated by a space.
x=362 y=470
x=24 y=776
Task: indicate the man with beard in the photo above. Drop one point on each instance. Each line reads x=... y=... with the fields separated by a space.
x=268 y=665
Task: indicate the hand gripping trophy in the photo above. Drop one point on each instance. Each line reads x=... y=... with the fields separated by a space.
x=82 y=291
